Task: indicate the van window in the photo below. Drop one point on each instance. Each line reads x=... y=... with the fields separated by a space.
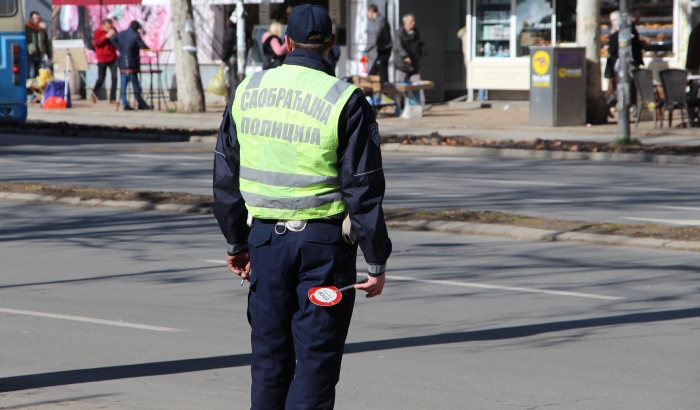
x=8 y=8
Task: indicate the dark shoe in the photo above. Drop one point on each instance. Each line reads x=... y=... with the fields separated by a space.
x=128 y=108
x=145 y=108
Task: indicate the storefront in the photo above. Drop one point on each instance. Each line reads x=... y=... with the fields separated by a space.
x=500 y=32
x=438 y=23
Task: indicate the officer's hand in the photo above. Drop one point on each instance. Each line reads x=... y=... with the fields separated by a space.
x=239 y=264
x=374 y=285
x=407 y=59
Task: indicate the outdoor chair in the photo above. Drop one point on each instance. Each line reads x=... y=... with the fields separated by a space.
x=151 y=59
x=647 y=95
x=673 y=83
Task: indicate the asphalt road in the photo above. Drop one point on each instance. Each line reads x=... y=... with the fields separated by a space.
x=580 y=190
x=152 y=320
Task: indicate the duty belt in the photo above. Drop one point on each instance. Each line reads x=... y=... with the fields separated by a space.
x=281 y=227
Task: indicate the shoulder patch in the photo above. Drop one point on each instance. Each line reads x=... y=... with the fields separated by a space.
x=374 y=133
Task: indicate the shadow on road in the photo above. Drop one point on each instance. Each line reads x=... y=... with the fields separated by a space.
x=34 y=381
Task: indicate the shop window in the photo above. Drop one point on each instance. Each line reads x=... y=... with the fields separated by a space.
x=654 y=22
x=492 y=28
x=566 y=21
x=534 y=24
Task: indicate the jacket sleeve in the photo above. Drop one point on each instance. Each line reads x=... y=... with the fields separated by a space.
x=362 y=180
x=140 y=43
x=372 y=35
x=229 y=207
x=99 y=39
x=399 y=49
x=229 y=44
x=115 y=41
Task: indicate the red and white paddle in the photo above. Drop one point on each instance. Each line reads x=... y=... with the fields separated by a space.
x=329 y=295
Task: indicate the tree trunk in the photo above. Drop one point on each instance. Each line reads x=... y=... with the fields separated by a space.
x=588 y=35
x=190 y=95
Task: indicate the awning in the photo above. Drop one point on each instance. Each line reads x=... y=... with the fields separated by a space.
x=149 y=2
x=92 y=2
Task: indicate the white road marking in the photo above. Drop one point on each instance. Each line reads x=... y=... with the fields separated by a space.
x=479 y=285
x=221 y=261
x=171 y=156
x=52 y=171
x=507 y=288
x=680 y=208
x=679 y=222
x=89 y=320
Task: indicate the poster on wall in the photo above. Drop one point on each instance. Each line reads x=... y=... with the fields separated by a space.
x=73 y=22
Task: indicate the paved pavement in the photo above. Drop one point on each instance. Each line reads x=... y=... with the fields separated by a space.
x=152 y=320
x=580 y=190
x=494 y=123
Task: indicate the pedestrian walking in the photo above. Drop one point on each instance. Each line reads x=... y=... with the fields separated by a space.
x=408 y=52
x=129 y=44
x=229 y=49
x=379 y=41
x=297 y=158
x=106 y=56
x=692 y=61
x=38 y=44
x=274 y=49
x=333 y=56
x=611 y=71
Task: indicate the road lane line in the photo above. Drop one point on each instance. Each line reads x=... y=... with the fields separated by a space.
x=89 y=320
x=478 y=285
x=507 y=288
x=679 y=222
x=680 y=208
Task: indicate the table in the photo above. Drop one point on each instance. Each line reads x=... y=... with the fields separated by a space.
x=407 y=90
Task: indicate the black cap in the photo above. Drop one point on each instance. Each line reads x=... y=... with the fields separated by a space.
x=307 y=20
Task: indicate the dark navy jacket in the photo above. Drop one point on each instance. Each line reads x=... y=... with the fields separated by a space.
x=128 y=43
x=360 y=172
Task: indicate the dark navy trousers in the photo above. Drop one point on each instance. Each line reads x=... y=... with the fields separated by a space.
x=297 y=346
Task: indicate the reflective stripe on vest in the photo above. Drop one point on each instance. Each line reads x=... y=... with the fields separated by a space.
x=287 y=125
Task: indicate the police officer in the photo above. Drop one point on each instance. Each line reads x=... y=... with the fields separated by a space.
x=297 y=151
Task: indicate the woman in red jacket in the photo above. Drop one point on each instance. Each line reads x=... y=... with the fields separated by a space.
x=106 y=57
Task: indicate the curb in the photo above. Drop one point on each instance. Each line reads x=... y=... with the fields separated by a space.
x=466 y=228
x=544 y=235
x=537 y=154
x=76 y=201
x=67 y=130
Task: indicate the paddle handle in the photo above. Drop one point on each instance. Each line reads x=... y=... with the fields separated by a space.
x=352 y=286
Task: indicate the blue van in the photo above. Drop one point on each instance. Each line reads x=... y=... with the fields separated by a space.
x=13 y=63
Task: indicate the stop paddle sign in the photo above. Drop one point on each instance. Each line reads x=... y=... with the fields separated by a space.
x=329 y=295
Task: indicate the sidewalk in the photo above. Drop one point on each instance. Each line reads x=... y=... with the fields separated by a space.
x=505 y=120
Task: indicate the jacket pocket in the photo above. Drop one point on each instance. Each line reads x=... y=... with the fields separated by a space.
x=259 y=237
x=323 y=233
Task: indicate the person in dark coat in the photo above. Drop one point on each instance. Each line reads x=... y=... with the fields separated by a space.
x=38 y=44
x=229 y=49
x=637 y=57
x=333 y=55
x=408 y=52
x=379 y=39
x=613 y=50
x=692 y=61
x=129 y=43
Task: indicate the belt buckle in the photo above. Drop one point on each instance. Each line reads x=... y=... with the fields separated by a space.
x=281 y=228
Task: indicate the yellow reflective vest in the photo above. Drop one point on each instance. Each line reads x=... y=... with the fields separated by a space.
x=287 y=126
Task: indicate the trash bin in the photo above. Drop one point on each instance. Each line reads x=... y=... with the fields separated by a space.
x=557 y=86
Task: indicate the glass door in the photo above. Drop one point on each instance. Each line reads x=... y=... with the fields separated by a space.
x=492 y=28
